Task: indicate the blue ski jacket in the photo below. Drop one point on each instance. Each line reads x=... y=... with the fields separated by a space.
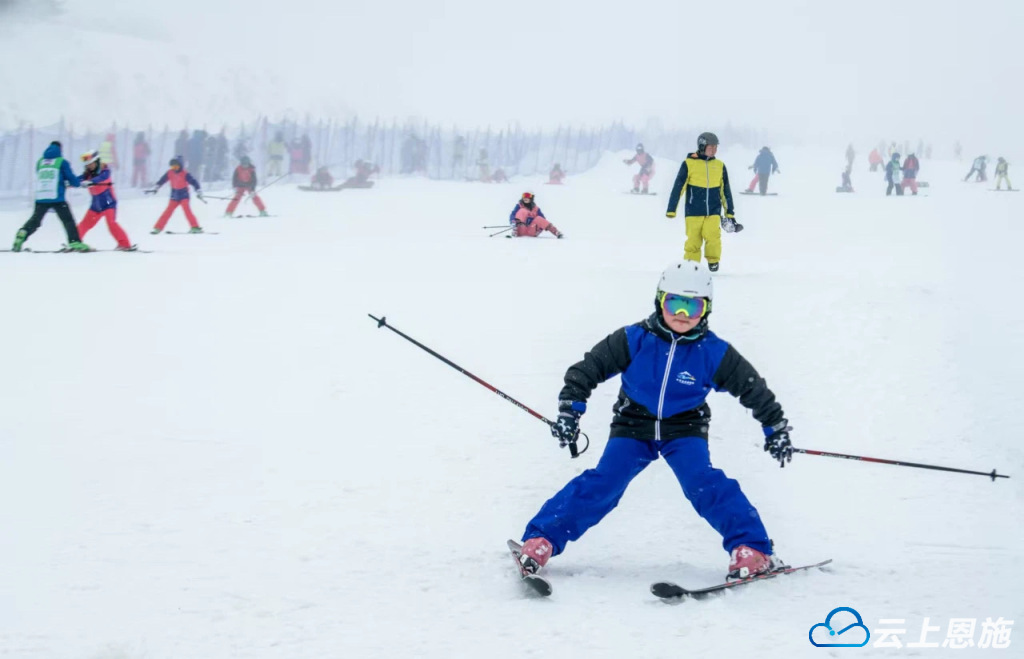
x=666 y=379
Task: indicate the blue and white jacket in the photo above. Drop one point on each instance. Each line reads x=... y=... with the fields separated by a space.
x=666 y=378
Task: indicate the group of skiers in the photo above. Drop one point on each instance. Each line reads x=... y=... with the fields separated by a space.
x=54 y=175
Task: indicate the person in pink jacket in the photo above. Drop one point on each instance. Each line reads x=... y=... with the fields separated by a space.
x=643 y=177
x=528 y=220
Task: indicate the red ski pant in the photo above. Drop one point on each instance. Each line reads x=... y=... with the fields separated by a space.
x=174 y=203
x=239 y=193
x=753 y=182
x=910 y=183
x=110 y=215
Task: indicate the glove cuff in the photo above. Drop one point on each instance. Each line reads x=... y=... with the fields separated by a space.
x=572 y=406
x=778 y=427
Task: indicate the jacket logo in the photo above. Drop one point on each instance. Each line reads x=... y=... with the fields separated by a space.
x=684 y=377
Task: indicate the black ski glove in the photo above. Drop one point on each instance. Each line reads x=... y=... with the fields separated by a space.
x=777 y=442
x=567 y=428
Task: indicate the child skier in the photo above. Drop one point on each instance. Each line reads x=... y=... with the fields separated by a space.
x=643 y=177
x=180 y=180
x=556 y=175
x=244 y=180
x=978 y=167
x=53 y=175
x=709 y=195
x=104 y=202
x=528 y=220
x=322 y=179
x=1003 y=174
x=847 y=185
x=669 y=362
x=893 y=175
x=911 y=166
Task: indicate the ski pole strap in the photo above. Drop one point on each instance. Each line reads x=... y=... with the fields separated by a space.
x=900 y=463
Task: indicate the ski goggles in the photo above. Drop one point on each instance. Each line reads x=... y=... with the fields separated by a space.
x=691 y=307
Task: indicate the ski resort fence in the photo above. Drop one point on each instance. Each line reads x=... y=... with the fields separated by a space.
x=400 y=149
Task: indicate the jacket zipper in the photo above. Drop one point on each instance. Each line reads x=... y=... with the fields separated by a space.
x=664 y=385
x=707 y=197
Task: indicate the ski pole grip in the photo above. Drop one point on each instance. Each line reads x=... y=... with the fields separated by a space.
x=572 y=449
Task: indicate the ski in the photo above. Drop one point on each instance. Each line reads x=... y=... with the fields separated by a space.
x=642 y=194
x=670 y=592
x=538 y=585
x=189 y=233
x=767 y=194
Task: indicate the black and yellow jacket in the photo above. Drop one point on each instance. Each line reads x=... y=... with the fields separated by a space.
x=704 y=183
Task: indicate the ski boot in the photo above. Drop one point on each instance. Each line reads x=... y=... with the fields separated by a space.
x=635 y=190
x=79 y=246
x=129 y=248
x=156 y=231
x=536 y=552
x=264 y=214
x=745 y=562
x=196 y=230
x=713 y=267
x=19 y=240
x=228 y=215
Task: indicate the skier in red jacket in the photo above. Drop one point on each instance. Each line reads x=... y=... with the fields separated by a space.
x=244 y=180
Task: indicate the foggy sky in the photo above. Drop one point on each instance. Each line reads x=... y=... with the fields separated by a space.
x=870 y=69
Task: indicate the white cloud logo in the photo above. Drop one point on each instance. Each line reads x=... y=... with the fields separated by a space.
x=837 y=624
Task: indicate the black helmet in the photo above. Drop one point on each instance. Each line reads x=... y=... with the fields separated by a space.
x=706 y=139
x=640 y=148
x=176 y=160
x=244 y=161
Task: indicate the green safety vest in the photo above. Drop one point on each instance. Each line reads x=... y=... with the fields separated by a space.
x=48 y=178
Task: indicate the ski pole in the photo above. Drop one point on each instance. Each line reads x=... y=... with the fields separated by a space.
x=899 y=463
x=382 y=322
x=271 y=183
x=494 y=226
x=496 y=233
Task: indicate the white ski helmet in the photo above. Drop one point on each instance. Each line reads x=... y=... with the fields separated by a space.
x=690 y=278
x=89 y=157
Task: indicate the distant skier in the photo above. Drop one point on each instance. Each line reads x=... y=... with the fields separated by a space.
x=276 y=151
x=911 y=166
x=1003 y=174
x=847 y=185
x=642 y=178
x=140 y=161
x=528 y=220
x=702 y=185
x=958 y=150
x=499 y=176
x=669 y=363
x=104 y=201
x=364 y=170
x=978 y=167
x=875 y=160
x=893 y=174
x=484 y=166
x=108 y=151
x=764 y=166
x=322 y=179
x=850 y=155
x=244 y=182
x=556 y=176
x=179 y=179
x=53 y=174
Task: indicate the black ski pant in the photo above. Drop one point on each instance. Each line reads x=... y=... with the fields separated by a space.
x=762 y=182
x=63 y=212
x=899 y=189
x=973 y=170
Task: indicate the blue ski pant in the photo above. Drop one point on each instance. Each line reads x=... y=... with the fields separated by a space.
x=586 y=499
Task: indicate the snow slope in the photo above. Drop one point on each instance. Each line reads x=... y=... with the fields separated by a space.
x=212 y=451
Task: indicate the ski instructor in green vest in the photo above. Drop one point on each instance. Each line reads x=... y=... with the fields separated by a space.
x=53 y=174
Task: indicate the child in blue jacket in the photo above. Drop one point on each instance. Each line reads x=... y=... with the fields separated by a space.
x=669 y=363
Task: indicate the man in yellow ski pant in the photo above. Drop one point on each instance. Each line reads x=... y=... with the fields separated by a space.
x=703 y=186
